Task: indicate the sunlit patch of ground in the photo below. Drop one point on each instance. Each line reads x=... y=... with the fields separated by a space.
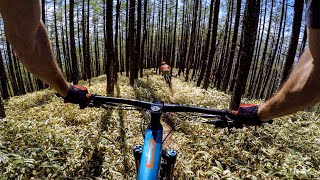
x=44 y=138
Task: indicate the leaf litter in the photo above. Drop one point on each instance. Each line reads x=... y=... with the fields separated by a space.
x=43 y=138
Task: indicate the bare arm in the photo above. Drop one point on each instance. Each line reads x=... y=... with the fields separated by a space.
x=29 y=39
x=302 y=87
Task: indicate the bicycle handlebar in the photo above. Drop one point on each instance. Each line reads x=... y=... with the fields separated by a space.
x=98 y=100
x=225 y=116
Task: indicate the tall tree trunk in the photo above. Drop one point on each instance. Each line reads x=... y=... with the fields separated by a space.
x=2 y=110
x=67 y=37
x=88 y=62
x=254 y=73
x=273 y=57
x=219 y=71
x=304 y=41
x=75 y=69
x=3 y=79
x=151 y=54
x=160 y=57
x=84 y=43
x=128 y=45
x=116 y=69
x=12 y=73
x=138 y=48
x=173 y=55
x=183 y=36
x=236 y=66
x=122 y=65
x=30 y=80
x=96 y=50
x=250 y=25
x=64 y=52
x=192 y=40
x=43 y=11
x=204 y=57
x=263 y=59
x=105 y=38
x=56 y=34
x=79 y=45
x=297 y=18
x=110 y=48
x=233 y=48
x=17 y=67
x=213 y=44
x=132 y=54
x=145 y=34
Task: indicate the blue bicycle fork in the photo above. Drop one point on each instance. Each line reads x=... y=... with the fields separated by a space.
x=148 y=157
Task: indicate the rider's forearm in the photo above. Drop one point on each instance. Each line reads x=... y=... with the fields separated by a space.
x=29 y=39
x=40 y=62
x=302 y=87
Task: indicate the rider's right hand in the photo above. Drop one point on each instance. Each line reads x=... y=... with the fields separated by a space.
x=77 y=95
x=247 y=114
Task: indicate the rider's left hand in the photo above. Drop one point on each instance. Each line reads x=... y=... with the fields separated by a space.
x=77 y=95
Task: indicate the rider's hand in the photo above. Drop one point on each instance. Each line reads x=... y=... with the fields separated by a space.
x=247 y=114
x=77 y=95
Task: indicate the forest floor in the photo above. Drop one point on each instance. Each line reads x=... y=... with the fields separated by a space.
x=43 y=138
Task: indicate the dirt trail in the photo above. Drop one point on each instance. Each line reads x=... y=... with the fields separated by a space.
x=168 y=119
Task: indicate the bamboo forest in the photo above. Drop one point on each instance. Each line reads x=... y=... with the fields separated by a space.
x=218 y=54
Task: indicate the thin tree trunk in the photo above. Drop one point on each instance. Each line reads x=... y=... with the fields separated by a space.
x=181 y=60
x=110 y=48
x=145 y=34
x=127 y=39
x=204 y=57
x=257 y=53
x=192 y=41
x=219 y=72
x=116 y=69
x=273 y=57
x=67 y=43
x=84 y=43
x=43 y=11
x=138 y=39
x=173 y=55
x=3 y=79
x=2 y=110
x=88 y=62
x=250 y=25
x=17 y=67
x=12 y=74
x=297 y=18
x=160 y=56
x=304 y=41
x=233 y=48
x=132 y=54
x=79 y=45
x=64 y=51
x=263 y=62
x=213 y=44
x=56 y=34
x=75 y=69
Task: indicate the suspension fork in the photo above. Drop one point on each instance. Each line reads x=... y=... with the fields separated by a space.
x=137 y=151
x=148 y=157
x=170 y=158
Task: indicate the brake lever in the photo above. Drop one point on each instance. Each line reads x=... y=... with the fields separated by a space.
x=218 y=123
x=232 y=123
x=226 y=122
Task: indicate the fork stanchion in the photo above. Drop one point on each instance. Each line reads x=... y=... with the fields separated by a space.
x=171 y=158
x=137 y=151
